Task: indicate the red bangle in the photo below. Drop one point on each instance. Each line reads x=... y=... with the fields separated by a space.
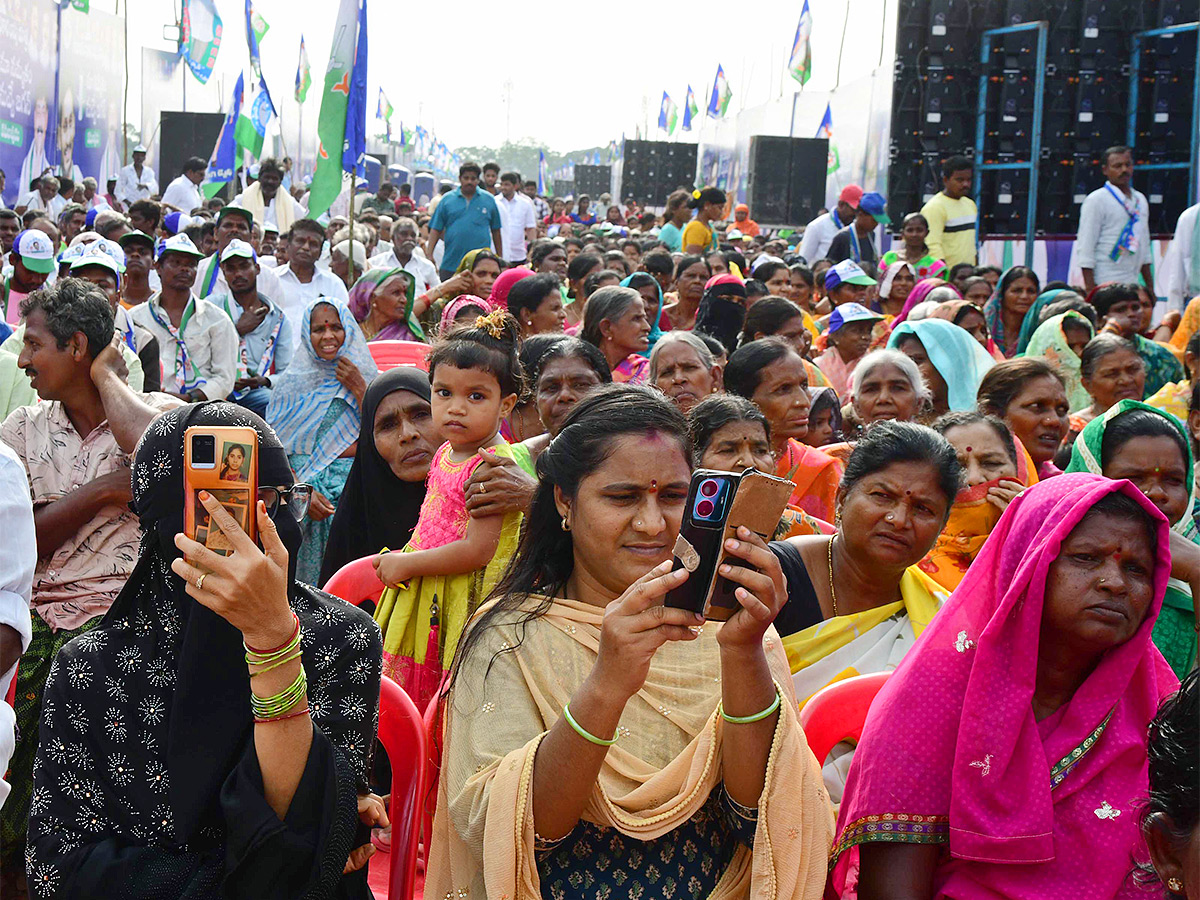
x=300 y=712
x=291 y=637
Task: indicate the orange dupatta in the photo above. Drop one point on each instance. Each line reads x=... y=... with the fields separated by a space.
x=816 y=476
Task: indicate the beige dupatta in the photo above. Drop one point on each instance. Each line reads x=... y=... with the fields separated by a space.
x=661 y=772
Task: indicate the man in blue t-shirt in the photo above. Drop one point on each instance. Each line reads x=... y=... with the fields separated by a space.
x=466 y=219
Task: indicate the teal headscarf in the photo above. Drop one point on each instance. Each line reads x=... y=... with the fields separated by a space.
x=957 y=356
x=646 y=278
x=1030 y=323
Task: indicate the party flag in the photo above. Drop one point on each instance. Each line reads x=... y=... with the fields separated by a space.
x=825 y=130
x=303 y=74
x=253 y=36
x=251 y=128
x=690 y=108
x=200 y=37
x=800 y=62
x=383 y=108
x=355 y=147
x=718 y=102
x=541 y=186
x=331 y=123
x=668 y=114
x=222 y=163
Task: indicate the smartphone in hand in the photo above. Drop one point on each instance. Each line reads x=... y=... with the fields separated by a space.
x=718 y=503
x=223 y=460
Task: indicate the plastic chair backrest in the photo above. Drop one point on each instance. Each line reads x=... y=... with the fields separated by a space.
x=433 y=767
x=390 y=354
x=838 y=712
x=356 y=582
x=402 y=733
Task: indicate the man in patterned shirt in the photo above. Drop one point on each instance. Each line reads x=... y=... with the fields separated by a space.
x=75 y=446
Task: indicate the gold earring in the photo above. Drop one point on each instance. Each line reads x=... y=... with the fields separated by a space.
x=1174 y=885
x=566 y=526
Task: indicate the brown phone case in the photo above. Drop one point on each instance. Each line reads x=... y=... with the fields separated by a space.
x=757 y=504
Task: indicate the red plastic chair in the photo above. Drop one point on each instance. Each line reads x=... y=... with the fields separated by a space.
x=356 y=582
x=389 y=354
x=433 y=767
x=402 y=733
x=838 y=712
x=10 y=696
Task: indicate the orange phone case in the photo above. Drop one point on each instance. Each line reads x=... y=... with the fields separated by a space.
x=232 y=480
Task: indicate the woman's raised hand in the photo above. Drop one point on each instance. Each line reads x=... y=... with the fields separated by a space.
x=762 y=591
x=635 y=625
x=1002 y=494
x=249 y=589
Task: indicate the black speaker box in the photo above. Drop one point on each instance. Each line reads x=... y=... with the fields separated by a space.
x=182 y=135
x=593 y=180
x=787 y=178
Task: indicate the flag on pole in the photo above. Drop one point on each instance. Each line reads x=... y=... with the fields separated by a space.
x=355 y=148
x=303 y=74
x=222 y=163
x=800 y=62
x=825 y=130
x=253 y=37
x=331 y=123
x=200 y=37
x=383 y=109
x=251 y=129
x=718 y=102
x=668 y=114
x=541 y=185
x=690 y=108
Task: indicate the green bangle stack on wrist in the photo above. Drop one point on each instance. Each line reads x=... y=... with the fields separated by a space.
x=277 y=706
x=757 y=717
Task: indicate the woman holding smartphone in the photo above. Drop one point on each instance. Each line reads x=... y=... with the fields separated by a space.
x=584 y=719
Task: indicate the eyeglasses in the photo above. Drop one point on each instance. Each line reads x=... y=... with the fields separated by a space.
x=295 y=499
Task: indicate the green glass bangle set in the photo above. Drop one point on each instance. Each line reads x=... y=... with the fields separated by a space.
x=736 y=720
x=277 y=706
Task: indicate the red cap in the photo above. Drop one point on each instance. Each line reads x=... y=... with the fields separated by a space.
x=851 y=194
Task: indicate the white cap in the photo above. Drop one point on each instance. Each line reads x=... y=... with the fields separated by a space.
x=180 y=243
x=238 y=247
x=140 y=148
x=360 y=252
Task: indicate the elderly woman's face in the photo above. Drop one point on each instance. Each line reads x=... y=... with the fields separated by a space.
x=912 y=347
x=886 y=393
x=328 y=333
x=405 y=435
x=562 y=383
x=626 y=514
x=682 y=375
x=1101 y=584
x=891 y=517
x=981 y=453
x=738 y=446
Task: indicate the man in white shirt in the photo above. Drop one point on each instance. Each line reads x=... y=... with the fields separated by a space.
x=233 y=222
x=136 y=181
x=265 y=200
x=43 y=197
x=183 y=193
x=1183 y=260
x=16 y=585
x=402 y=254
x=518 y=225
x=1113 y=243
x=196 y=339
x=300 y=281
x=819 y=233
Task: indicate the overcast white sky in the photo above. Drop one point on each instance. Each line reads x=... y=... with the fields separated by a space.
x=579 y=73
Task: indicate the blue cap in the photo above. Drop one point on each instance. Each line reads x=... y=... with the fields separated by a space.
x=875 y=206
x=851 y=312
x=176 y=222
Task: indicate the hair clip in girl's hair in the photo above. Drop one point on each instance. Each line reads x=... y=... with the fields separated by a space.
x=492 y=323
x=696 y=194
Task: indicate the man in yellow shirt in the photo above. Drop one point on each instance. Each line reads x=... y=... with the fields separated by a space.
x=952 y=215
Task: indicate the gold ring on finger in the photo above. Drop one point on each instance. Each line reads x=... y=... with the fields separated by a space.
x=200 y=581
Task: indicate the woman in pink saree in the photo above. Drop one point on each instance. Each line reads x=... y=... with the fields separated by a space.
x=1006 y=756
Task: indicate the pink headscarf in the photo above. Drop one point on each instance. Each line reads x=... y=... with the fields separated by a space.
x=503 y=284
x=918 y=294
x=456 y=305
x=952 y=753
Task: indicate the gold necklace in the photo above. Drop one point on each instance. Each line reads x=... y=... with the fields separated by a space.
x=832 y=590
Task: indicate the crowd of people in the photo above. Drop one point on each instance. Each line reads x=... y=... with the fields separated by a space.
x=993 y=503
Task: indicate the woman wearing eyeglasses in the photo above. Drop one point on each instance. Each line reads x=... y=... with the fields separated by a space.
x=316 y=409
x=189 y=741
